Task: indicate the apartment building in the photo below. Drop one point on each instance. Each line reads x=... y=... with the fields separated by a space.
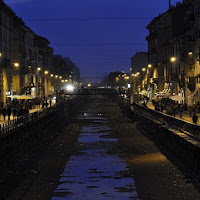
x=6 y=62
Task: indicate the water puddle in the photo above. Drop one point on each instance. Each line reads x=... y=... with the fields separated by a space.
x=94 y=173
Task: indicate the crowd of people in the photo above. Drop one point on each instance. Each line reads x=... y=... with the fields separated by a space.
x=17 y=108
x=174 y=108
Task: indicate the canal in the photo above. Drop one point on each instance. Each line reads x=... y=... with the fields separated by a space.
x=104 y=155
x=94 y=171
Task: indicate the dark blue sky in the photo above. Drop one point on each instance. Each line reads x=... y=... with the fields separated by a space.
x=99 y=36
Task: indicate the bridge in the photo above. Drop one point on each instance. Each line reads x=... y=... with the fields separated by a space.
x=100 y=91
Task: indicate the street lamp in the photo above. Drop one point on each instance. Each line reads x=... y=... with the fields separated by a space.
x=173 y=59
x=149 y=65
x=16 y=64
x=38 y=69
x=46 y=72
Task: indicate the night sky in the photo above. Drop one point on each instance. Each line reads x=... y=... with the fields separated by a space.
x=98 y=36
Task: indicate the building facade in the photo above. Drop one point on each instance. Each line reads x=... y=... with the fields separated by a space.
x=6 y=18
x=27 y=65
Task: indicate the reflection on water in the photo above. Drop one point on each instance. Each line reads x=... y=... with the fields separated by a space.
x=94 y=173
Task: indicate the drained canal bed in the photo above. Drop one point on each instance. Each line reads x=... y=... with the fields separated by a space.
x=92 y=172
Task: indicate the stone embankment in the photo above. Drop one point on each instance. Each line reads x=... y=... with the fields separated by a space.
x=31 y=131
x=180 y=137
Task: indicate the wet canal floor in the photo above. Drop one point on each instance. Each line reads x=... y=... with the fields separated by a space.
x=93 y=172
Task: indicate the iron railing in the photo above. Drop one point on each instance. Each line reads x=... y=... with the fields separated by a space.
x=22 y=121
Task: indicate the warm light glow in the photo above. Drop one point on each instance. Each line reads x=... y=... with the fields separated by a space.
x=38 y=68
x=126 y=77
x=56 y=76
x=89 y=84
x=60 y=77
x=190 y=53
x=51 y=75
x=46 y=72
x=173 y=59
x=143 y=69
x=149 y=65
x=16 y=64
x=132 y=74
x=138 y=73
x=0 y=54
x=66 y=80
x=62 y=81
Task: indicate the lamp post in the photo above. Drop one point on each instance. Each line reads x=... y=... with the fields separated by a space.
x=16 y=83
x=46 y=83
x=173 y=61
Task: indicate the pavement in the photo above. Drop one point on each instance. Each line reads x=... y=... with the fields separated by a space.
x=11 y=117
x=185 y=115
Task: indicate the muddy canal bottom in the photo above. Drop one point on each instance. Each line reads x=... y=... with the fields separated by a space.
x=93 y=172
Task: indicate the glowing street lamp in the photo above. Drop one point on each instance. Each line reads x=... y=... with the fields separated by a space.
x=190 y=53
x=143 y=69
x=149 y=65
x=56 y=76
x=46 y=72
x=173 y=59
x=51 y=75
x=38 y=69
x=60 y=77
x=16 y=64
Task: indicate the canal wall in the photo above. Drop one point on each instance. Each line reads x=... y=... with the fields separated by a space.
x=178 y=136
x=20 y=136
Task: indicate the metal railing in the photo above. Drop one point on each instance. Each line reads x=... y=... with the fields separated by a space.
x=187 y=126
x=11 y=126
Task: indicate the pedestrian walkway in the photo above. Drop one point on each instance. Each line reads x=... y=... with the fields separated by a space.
x=11 y=117
x=185 y=116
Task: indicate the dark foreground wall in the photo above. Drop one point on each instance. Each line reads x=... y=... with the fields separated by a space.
x=42 y=129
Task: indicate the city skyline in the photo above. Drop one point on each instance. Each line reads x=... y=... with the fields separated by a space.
x=99 y=37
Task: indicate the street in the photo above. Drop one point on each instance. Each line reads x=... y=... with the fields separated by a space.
x=104 y=156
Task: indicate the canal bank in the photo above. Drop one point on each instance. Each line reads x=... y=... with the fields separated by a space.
x=150 y=169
